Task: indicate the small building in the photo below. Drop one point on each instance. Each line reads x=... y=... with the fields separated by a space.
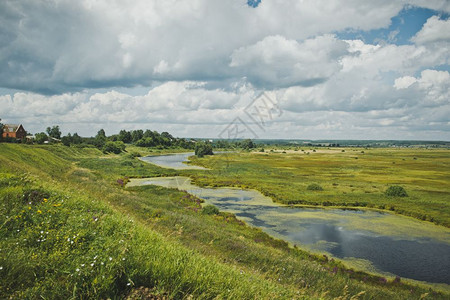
x=14 y=131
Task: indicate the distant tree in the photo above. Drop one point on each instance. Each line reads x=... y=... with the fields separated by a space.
x=136 y=135
x=247 y=144
x=67 y=139
x=100 y=139
x=54 y=132
x=114 y=147
x=125 y=136
x=167 y=135
x=146 y=142
x=101 y=134
x=41 y=137
x=76 y=139
x=203 y=149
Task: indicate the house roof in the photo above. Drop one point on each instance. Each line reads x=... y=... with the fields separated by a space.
x=11 y=127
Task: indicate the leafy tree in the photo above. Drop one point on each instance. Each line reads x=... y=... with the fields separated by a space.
x=167 y=135
x=203 y=149
x=247 y=144
x=136 y=135
x=100 y=139
x=101 y=134
x=54 y=132
x=114 y=147
x=146 y=142
x=41 y=137
x=125 y=136
x=76 y=139
x=67 y=139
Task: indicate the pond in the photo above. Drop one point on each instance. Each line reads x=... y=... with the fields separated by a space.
x=173 y=161
x=372 y=241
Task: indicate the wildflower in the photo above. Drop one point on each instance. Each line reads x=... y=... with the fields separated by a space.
x=78 y=270
x=82 y=265
x=29 y=207
x=110 y=258
x=45 y=199
x=56 y=205
x=39 y=211
x=1 y=268
x=92 y=264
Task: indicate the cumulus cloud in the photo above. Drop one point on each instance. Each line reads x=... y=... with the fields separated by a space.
x=277 y=61
x=61 y=46
x=202 y=62
x=434 y=30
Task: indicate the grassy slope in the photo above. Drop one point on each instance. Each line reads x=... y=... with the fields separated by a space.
x=94 y=239
x=349 y=178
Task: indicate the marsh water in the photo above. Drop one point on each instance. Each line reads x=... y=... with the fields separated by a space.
x=174 y=161
x=367 y=240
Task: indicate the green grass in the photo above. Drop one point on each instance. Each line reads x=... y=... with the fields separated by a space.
x=346 y=181
x=78 y=234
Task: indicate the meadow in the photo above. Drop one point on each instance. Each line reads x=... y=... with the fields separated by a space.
x=71 y=229
x=346 y=177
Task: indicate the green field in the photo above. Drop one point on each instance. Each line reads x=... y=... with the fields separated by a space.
x=70 y=230
x=349 y=177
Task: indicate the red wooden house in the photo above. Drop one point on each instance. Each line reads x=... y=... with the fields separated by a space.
x=14 y=131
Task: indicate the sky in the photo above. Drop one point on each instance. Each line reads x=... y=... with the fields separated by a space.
x=271 y=69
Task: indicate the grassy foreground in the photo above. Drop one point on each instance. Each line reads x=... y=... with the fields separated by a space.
x=69 y=230
x=347 y=177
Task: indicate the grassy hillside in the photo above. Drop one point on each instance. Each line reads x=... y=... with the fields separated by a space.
x=70 y=230
x=348 y=177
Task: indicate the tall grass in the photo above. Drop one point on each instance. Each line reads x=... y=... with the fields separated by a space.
x=69 y=231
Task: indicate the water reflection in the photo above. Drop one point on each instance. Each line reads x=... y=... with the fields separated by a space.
x=395 y=244
x=173 y=161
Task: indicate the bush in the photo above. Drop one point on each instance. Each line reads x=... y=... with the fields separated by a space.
x=396 y=191
x=210 y=210
x=314 y=187
x=203 y=149
x=114 y=147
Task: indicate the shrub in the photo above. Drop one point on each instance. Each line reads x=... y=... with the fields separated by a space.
x=210 y=210
x=203 y=149
x=114 y=147
x=314 y=187
x=396 y=191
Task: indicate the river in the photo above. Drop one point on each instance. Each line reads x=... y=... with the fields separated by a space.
x=372 y=241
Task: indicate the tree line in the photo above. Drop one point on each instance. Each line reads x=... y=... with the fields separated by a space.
x=149 y=138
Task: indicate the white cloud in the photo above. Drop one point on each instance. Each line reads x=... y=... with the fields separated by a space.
x=55 y=47
x=404 y=82
x=434 y=30
x=277 y=61
x=205 y=60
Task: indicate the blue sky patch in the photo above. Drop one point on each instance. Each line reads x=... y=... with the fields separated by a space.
x=403 y=27
x=253 y=3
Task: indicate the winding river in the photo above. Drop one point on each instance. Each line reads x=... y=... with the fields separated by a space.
x=382 y=243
